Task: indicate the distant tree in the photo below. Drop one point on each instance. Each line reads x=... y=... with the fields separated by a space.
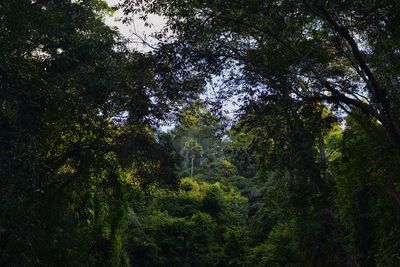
x=194 y=226
x=192 y=149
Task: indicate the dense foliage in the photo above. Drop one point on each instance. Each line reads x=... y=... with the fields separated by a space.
x=306 y=173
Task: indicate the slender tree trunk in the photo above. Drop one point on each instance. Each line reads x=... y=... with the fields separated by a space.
x=187 y=254
x=322 y=158
x=191 y=170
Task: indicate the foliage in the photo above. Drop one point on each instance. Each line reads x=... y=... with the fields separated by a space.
x=305 y=174
x=189 y=227
x=364 y=201
x=74 y=102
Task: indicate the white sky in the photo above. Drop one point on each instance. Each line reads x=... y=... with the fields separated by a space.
x=136 y=31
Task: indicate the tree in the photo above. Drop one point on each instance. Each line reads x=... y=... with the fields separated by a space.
x=287 y=135
x=192 y=149
x=316 y=50
x=87 y=178
x=341 y=55
x=361 y=172
x=189 y=227
x=74 y=102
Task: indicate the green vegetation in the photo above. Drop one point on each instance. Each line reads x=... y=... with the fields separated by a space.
x=306 y=173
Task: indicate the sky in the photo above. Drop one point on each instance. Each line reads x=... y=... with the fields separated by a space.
x=137 y=30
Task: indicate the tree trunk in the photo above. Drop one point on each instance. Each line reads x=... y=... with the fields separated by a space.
x=191 y=170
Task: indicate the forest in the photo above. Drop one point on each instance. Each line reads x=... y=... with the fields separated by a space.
x=248 y=133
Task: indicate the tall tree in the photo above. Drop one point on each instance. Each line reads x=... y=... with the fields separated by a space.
x=77 y=109
x=192 y=149
x=331 y=51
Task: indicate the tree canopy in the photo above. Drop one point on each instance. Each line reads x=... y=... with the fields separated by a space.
x=304 y=173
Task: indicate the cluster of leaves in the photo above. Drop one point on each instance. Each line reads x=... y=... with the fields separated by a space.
x=299 y=67
x=199 y=224
x=363 y=172
x=86 y=180
x=312 y=201
x=77 y=111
